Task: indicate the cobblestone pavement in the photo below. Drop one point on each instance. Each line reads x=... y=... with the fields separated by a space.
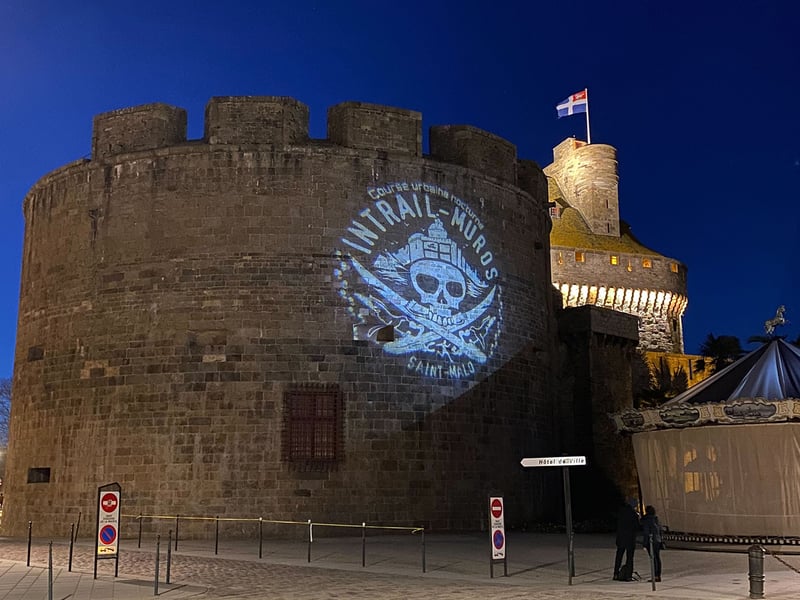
x=457 y=569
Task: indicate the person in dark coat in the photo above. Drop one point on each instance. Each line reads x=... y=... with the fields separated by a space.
x=651 y=532
x=627 y=528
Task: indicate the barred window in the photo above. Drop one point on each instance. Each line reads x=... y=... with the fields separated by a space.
x=312 y=425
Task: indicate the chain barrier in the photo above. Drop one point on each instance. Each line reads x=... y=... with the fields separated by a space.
x=780 y=560
x=413 y=530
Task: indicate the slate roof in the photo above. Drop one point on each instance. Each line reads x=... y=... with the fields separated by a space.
x=572 y=231
x=772 y=372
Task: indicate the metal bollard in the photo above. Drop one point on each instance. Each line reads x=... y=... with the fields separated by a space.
x=756 y=575
x=50 y=572
x=158 y=557
x=169 y=555
x=260 y=536
x=71 y=544
x=30 y=534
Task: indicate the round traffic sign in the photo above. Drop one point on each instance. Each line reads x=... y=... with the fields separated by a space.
x=498 y=539
x=108 y=534
x=109 y=502
x=497 y=508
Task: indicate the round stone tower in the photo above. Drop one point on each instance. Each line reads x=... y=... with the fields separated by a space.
x=596 y=259
x=260 y=324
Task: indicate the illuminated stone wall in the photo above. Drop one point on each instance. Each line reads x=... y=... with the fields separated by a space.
x=174 y=291
x=595 y=258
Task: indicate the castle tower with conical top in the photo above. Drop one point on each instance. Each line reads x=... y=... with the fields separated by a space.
x=596 y=260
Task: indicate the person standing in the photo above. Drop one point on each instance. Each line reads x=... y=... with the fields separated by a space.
x=627 y=528
x=651 y=538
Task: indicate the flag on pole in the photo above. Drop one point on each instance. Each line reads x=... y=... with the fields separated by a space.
x=574 y=104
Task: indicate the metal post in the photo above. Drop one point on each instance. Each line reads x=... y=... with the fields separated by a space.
x=169 y=555
x=652 y=563
x=216 y=536
x=71 y=544
x=568 y=515
x=177 y=519
x=260 y=535
x=78 y=526
x=140 y=531
x=423 y=550
x=310 y=539
x=158 y=556
x=363 y=544
x=756 y=560
x=50 y=572
x=30 y=528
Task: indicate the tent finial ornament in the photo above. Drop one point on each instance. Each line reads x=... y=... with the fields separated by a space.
x=777 y=320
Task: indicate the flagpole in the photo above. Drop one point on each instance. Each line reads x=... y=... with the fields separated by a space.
x=588 y=131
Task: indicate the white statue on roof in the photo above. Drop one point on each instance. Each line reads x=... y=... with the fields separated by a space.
x=777 y=320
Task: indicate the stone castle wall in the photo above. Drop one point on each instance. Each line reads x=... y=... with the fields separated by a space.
x=173 y=292
x=609 y=271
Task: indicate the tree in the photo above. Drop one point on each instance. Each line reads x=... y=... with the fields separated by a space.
x=654 y=384
x=723 y=351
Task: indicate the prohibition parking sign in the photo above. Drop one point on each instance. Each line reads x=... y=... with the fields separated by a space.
x=107 y=523
x=106 y=532
x=498 y=528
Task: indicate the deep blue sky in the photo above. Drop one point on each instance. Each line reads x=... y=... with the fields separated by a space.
x=700 y=99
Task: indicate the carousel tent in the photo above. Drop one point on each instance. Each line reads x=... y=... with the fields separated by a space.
x=723 y=458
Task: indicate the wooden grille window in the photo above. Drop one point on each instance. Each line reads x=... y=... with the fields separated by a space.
x=312 y=425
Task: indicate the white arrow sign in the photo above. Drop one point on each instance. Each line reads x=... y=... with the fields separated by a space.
x=554 y=461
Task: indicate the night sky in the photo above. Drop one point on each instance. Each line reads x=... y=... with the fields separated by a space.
x=699 y=98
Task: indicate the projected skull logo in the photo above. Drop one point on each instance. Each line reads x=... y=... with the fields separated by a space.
x=443 y=311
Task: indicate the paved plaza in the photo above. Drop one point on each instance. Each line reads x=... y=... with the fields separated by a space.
x=456 y=568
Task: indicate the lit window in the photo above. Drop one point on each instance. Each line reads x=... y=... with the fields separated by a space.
x=647 y=263
x=555 y=212
x=579 y=257
x=614 y=259
x=673 y=267
x=561 y=258
x=312 y=425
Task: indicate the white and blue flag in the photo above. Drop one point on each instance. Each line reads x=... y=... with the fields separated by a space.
x=574 y=104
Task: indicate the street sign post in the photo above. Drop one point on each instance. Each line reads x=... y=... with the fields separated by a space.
x=497 y=527
x=565 y=462
x=107 y=525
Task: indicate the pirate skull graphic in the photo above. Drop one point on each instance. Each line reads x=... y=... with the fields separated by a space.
x=441 y=286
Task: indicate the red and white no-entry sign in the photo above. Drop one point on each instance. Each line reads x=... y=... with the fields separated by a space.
x=497 y=522
x=109 y=502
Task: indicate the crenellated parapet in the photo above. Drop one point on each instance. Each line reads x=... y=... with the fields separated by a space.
x=475 y=149
x=282 y=122
x=138 y=128
x=277 y=120
x=374 y=127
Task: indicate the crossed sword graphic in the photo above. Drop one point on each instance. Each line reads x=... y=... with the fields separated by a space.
x=402 y=305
